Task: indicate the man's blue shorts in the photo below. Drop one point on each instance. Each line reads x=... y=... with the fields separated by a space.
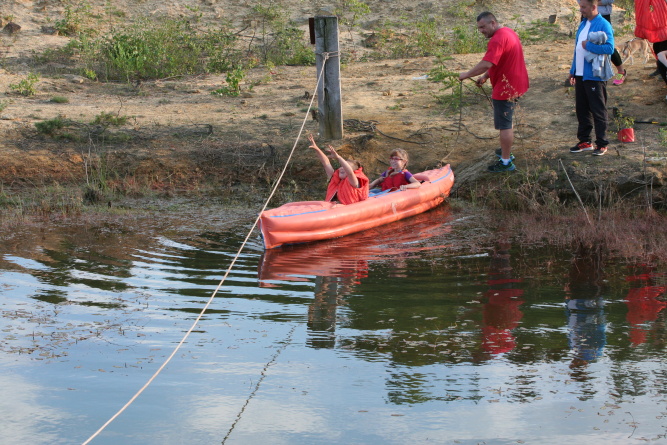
x=503 y=112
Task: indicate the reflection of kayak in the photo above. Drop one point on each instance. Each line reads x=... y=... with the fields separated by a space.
x=301 y=222
x=348 y=258
x=299 y=265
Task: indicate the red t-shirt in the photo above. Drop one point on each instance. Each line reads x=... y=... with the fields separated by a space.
x=508 y=75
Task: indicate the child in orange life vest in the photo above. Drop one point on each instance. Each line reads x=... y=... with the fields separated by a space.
x=397 y=176
x=348 y=184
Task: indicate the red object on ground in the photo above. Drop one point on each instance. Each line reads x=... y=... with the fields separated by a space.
x=626 y=135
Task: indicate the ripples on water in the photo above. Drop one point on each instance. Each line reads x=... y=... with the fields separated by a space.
x=407 y=333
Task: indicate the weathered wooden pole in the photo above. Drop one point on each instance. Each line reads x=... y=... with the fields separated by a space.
x=329 y=99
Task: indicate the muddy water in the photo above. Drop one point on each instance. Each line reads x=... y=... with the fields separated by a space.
x=405 y=334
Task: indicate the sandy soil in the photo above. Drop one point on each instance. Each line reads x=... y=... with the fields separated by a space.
x=182 y=135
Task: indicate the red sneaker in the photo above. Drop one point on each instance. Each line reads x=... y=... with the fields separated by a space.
x=599 y=151
x=581 y=146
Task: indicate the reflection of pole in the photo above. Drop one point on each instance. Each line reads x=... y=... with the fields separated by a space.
x=322 y=312
x=329 y=99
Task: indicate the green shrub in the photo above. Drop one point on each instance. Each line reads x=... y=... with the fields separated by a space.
x=463 y=9
x=454 y=93
x=157 y=49
x=233 y=87
x=467 y=40
x=292 y=48
x=662 y=133
x=277 y=40
x=419 y=38
x=349 y=12
x=89 y=74
x=110 y=119
x=51 y=126
x=26 y=87
x=76 y=20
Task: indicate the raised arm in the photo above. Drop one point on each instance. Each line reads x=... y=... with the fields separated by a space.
x=324 y=160
x=351 y=177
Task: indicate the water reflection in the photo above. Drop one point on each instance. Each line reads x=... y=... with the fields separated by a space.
x=338 y=266
x=585 y=309
x=25 y=416
x=501 y=313
x=401 y=334
x=645 y=303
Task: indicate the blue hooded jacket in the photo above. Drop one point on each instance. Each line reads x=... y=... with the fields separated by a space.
x=598 y=23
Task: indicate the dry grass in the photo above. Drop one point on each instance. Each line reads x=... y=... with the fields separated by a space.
x=627 y=235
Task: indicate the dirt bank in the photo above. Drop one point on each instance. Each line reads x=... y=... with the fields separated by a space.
x=178 y=136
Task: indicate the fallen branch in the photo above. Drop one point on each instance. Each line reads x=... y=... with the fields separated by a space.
x=576 y=193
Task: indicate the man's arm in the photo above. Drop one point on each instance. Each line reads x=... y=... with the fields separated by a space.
x=481 y=68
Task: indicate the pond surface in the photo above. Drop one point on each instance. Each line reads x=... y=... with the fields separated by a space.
x=403 y=334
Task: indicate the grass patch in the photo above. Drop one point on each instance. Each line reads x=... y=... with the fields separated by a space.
x=632 y=235
x=64 y=129
x=59 y=100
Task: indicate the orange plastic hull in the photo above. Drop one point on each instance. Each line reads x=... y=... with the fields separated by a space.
x=306 y=221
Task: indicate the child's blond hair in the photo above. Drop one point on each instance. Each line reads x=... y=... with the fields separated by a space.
x=401 y=154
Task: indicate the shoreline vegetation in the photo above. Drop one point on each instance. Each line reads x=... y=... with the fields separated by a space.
x=106 y=154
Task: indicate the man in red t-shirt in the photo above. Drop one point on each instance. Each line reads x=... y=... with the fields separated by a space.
x=504 y=64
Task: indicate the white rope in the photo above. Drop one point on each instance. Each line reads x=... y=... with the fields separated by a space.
x=215 y=292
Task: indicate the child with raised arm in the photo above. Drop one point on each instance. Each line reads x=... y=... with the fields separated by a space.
x=397 y=177
x=347 y=184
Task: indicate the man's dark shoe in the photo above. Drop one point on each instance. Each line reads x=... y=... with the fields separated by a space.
x=581 y=146
x=499 y=167
x=499 y=153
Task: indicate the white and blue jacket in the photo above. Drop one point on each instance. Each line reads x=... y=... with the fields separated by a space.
x=599 y=23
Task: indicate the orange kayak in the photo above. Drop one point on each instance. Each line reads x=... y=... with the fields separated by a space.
x=306 y=221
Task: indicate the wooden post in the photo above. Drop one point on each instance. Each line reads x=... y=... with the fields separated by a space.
x=329 y=99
